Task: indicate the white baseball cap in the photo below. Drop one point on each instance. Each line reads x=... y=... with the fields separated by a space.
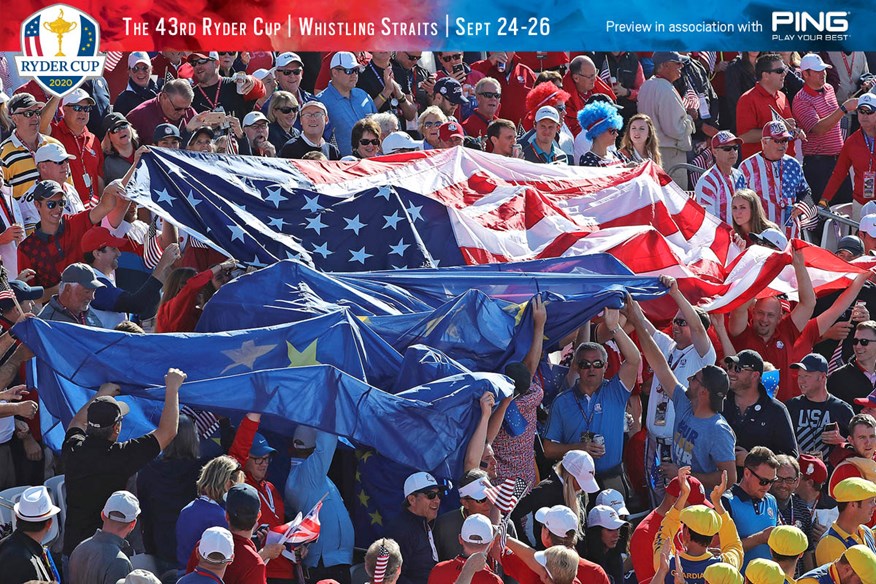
x=418 y=482
x=261 y=73
x=559 y=519
x=122 y=506
x=547 y=112
x=76 y=96
x=138 y=57
x=139 y=576
x=813 y=62
x=284 y=59
x=869 y=208
x=477 y=529
x=344 y=59
x=253 y=117
x=771 y=237
x=613 y=499
x=580 y=465
x=476 y=489
x=216 y=545
x=868 y=225
x=604 y=516
x=35 y=505
x=867 y=100
x=52 y=152
x=399 y=141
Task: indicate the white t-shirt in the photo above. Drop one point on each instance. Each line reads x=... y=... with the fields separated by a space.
x=684 y=363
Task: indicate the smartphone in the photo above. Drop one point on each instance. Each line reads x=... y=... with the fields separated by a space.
x=458 y=67
x=832 y=427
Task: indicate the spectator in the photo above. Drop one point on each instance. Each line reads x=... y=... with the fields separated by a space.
x=16 y=151
x=813 y=475
x=140 y=87
x=314 y=117
x=607 y=541
x=763 y=571
x=699 y=524
x=53 y=163
x=75 y=294
x=450 y=135
x=793 y=510
x=100 y=559
x=815 y=411
x=856 y=498
x=449 y=98
x=345 y=103
x=173 y=105
x=416 y=82
x=639 y=142
x=750 y=505
x=600 y=122
x=185 y=293
x=856 y=562
x=451 y=64
x=429 y=122
x=215 y=554
x=234 y=96
x=22 y=554
x=581 y=82
x=385 y=550
x=515 y=80
x=98 y=465
x=413 y=527
x=854 y=459
x=476 y=536
x=501 y=137
x=283 y=115
x=819 y=114
x=850 y=78
x=201 y=140
x=749 y=218
x=169 y=63
x=787 y=544
x=756 y=106
x=794 y=79
x=167 y=136
x=718 y=185
x=378 y=80
x=255 y=130
x=627 y=77
x=164 y=487
x=660 y=101
x=207 y=509
x=400 y=142
x=388 y=124
x=855 y=154
x=590 y=415
x=488 y=92
x=542 y=147
x=543 y=94
x=739 y=78
x=331 y=556
x=289 y=72
x=701 y=102
x=854 y=379
x=119 y=144
x=365 y=138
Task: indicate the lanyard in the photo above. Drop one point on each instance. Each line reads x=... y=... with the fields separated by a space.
x=269 y=500
x=207 y=574
x=589 y=418
x=215 y=100
x=50 y=563
x=870 y=143
x=849 y=65
x=378 y=75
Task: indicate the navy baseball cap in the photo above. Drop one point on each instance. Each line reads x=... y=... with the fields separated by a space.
x=811 y=362
x=746 y=359
x=451 y=89
x=242 y=500
x=22 y=292
x=166 y=131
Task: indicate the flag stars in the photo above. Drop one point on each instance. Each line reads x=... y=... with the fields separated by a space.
x=323 y=250
x=192 y=200
x=315 y=224
x=276 y=222
x=360 y=255
x=384 y=192
x=354 y=225
x=414 y=212
x=237 y=232
x=392 y=220
x=399 y=248
x=275 y=197
x=165 y=197
x=312 y=204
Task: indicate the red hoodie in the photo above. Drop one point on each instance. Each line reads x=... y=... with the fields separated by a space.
x=577 y=101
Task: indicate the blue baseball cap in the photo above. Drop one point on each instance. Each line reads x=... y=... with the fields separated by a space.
x=811 y=362
x=451 y=89
x=260 y=447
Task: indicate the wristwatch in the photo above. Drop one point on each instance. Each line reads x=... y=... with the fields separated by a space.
x=843 y=108
x=393 y=102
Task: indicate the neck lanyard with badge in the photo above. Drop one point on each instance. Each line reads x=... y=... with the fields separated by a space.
x=869 y=178
x=215 y=102
x=587 y=435
x=83 y=148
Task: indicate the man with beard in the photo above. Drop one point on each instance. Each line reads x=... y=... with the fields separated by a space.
x=233 y=95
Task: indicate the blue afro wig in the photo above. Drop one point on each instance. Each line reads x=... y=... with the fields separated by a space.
x=599 y=117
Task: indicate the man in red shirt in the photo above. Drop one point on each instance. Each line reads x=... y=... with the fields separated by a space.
x=72 y=131
x=859 y=153
x=475 y=537
x=242 y=512
x=488 y=93
x=515 y=80
x=762 y=103
x=173 y=105
x=581 y=83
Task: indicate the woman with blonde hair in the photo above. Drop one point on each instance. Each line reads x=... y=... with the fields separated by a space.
x=640 y=142
x=748 y=215
x=428 y=123
x=119 y=145
x=282 y=116
x=208 y=509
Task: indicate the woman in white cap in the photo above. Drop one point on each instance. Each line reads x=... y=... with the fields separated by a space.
x=607 y=540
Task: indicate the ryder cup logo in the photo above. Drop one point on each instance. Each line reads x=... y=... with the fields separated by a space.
x=60 y=49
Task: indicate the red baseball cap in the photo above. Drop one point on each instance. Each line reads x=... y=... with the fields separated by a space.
x=813 y=468
x=776 y=130
x=448 y=129
x=697 y=491
x=98 y=237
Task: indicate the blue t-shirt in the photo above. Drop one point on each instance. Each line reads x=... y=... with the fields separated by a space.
x=344 y=112
x=700 y=443
x=194 y=519
x=572 y=413
x=750 y=517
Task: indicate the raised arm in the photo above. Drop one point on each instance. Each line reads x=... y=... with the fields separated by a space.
x=629 y=369
x=698 y=333
x=806 y=305
x=652 y=353
x=48 y=114
x=721 y=332
x=539 y=318
x=826 y=319
x=169 y=421
x=475 y=451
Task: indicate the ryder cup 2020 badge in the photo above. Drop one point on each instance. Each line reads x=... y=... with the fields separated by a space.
x=60 y=46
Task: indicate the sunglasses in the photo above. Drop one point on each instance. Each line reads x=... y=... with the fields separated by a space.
x=287 y=110
x=738 y=368
x=862 y=342
x=348 y=70
x=585 y=364
x=53 y=204
x=226 y=53
x=431 y=124
x=449 y=58
x=201 y=61
x=478 y=501
x=81 y=108
x=866 y=112
x=763 y=482
x=613 y=132
x=491 y=95
x=679 y=322
x=61 y=163
x=413 y=57
x=560 y=107
x=364 y=142
x=177 y=108
x=729 y=148
x=780 y=141
x=779 y=71
x=140 y=68
x=118 y=129
x=432 y=495
x=28 y=114
x=289 y=71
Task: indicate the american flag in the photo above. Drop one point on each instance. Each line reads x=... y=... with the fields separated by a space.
x=112 y=60
x=506 y=495
x=690 y=99
x=380 y=565
x=711 y=57
x=605 y=71
x=206 y=422
x=808 y=219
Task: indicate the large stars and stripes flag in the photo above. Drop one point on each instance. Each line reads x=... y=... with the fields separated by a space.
x=605 y=71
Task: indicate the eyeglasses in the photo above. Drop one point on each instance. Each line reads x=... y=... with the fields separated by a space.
x=201 y=61
x=779 y=71
x=448 y=58
x=432 y=495
x=491 y=95
x=866 y=112
x=679 y=322
x=780 y=140
x=81 y=108
x=862 y=342
x=118 y=129
x=348 y=70
x=29 y=113
x=289 y=71
x=787 y=480
x=260 y=459
x=59 y=163
x=613 y=132
x=175 y=107
x=413 y=57
x=50 y=205
x=313 y=115
x=227 y=53
x=287 y=110
x=364 y=142
x=763 y=482
x=140 y=68
x=729 y=148
x=585 y=364
x=593 y=76
x=560 y=107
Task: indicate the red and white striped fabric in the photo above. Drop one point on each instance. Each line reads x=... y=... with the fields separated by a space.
x=766 y=179
x=715 y=192
x=308 y=530
x=112 y=60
